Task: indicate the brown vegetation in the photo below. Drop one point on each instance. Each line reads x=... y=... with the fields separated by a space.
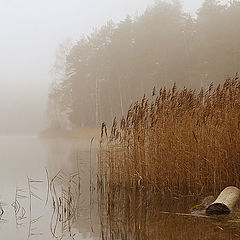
x=177 y=142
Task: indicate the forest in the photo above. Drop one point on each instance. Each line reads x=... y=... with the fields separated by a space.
x=99 y=76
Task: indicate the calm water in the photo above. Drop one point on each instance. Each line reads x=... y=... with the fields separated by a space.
x=24 y=161
x=24 y=184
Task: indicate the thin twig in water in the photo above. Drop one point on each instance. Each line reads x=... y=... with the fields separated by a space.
x=48 y=186
x=90 y=179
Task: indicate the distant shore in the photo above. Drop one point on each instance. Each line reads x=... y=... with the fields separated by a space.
x=79 y=133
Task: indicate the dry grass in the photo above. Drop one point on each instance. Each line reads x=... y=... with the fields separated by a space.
x=175 y=142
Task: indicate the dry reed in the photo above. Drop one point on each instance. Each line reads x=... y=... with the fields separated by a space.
x=175 y=143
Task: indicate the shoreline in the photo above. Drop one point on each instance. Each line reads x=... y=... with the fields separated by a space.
x=77 y=133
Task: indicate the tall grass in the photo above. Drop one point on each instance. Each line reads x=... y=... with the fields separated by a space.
x=176 y=142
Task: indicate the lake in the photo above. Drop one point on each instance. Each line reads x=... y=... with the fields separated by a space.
x=32 y=161
x=46 y=194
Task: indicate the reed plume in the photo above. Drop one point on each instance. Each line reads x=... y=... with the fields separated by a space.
x=176 y=142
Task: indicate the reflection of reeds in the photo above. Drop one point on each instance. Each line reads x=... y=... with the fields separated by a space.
x=1 y=211
x=176 y=142
x=91 y=187
x=138 y=214
x=65 y=192
x=48 y=186
x=19 y=211
x=33 y=195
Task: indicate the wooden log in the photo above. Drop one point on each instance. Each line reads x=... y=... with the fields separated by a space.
x=200 y=209
x=225 y=202
x=207 y=201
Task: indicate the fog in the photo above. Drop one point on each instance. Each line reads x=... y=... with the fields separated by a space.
x=30 y=33
x=66 y=70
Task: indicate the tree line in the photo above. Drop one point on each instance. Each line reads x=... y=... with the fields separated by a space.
x=99 y=76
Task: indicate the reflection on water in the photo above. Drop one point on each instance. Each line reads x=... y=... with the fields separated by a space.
x=65 y=193
x=140 y=214
x=38 y=174
x=45 y=194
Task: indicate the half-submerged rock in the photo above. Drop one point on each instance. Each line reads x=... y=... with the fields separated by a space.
x=225 y=202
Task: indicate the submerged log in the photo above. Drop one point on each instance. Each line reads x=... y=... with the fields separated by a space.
x=225 y=202
x=207 y=201
x=200 y=209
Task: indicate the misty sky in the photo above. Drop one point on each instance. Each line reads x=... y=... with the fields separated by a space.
x=30 y=32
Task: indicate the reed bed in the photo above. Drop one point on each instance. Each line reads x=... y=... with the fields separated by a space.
x=176 y=142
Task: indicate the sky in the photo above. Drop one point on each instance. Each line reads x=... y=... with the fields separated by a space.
x=31 y=31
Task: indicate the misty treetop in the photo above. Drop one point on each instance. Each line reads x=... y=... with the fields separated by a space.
x=99 y=76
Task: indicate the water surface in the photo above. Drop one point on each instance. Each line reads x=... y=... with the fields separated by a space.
x=27 y=166
x=31 y=161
